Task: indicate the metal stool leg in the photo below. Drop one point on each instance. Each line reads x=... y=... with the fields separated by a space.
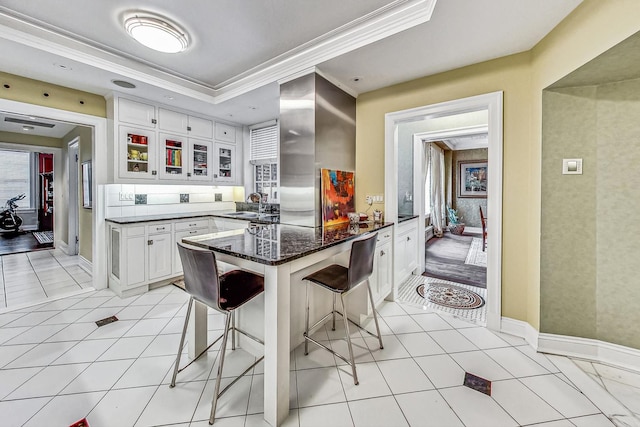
x=306 y=321
x=233 y=330
x=223 y=348
x=333 y=324
x=184 y=332
x=375 y=317
x=346 y=328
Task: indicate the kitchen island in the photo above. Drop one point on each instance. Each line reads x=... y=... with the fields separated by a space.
x=283 y=254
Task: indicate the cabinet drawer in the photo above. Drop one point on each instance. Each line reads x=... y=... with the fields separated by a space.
x=192 y=224
x=135 y=231
x=384 y=236
x=159 y=228
x=225 y=132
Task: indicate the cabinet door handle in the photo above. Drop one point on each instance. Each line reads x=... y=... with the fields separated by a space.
x=193 y=232
x=154 y=121
x=408 y=239
x=381 y=253
x=154 y=172
x=188 y=173
x=149 y=242
x=386 y=235
x=192 y=225
x=159 y=228
x=189 y=128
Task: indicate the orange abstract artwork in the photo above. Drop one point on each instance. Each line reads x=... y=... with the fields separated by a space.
x=338 y=192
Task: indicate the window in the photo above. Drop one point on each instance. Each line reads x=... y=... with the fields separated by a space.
x=16 y=177
x=264 y=156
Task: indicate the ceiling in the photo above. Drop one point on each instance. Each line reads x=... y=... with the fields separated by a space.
x=241 y=49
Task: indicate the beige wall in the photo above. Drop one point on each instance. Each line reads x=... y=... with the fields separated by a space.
x=31 y=91
x=20 y=138
x=591 y=29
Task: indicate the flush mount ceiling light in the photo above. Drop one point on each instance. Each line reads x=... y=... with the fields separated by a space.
x=156 y=33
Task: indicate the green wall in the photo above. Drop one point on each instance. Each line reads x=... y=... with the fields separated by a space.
x=20 y=138
x=589 y=244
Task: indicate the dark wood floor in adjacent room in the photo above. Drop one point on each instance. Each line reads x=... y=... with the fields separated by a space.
x=22 y=241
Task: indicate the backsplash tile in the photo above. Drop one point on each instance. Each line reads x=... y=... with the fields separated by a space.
x=168 y=199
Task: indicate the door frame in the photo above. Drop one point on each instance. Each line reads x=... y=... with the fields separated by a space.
x=73 y=230
x=493 y=103
x=99 y=150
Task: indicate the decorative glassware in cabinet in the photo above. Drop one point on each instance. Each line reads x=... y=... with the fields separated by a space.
x=137 y=153
x=224 y=157
x=173 y=157
x=200 y=160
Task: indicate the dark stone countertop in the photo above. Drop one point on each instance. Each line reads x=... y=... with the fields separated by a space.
x=403 y=218
x=261 y=219
x=277 y=244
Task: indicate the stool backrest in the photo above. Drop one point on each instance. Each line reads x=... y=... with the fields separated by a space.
x=200 y=275
x=361 y=259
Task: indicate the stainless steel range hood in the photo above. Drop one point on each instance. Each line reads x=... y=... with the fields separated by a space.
x=317 y=130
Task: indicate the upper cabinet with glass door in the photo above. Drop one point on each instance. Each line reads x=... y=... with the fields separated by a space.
x=156 y=143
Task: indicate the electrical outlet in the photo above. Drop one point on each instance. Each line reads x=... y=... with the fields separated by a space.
x=378 y=198
x=369 y=200
x=130 y=196
x=122 y=196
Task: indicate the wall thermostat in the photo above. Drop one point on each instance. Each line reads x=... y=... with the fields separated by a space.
x=572 y=166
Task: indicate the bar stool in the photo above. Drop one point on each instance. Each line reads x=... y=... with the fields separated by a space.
x=224 y=293
x=341 y=281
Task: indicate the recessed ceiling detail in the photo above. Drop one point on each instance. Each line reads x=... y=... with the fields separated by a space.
x=28 y=122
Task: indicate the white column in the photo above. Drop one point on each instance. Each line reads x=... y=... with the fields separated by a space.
x=276 y=339
x=197 y=330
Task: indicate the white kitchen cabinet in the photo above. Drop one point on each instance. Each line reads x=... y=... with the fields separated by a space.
x=191 y=227
x=127 y=261
x=184 y=124
x=154 y=143
x=406 y=250
x=225 y=133
x=159 y=251
x=185 y=159
x=380 y=281
x=225 y=163
x=137 y=154
x=136 y=113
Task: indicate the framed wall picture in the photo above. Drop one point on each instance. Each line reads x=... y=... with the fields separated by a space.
x=472 y=178
x=87 y=182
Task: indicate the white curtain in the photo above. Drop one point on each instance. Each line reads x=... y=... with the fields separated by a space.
x=435 y=168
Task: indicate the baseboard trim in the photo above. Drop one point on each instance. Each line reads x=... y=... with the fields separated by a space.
x=586 y=348
x=85 y=264
x=62 y=246
x=520 y=329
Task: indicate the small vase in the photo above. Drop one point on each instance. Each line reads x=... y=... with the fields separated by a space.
x=456 y=228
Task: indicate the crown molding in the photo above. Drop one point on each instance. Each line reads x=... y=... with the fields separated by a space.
x=384 y=22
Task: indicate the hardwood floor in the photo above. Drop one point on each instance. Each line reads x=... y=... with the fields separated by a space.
x=444 y=259
x=23 y=241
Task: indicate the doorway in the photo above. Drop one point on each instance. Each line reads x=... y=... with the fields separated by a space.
x=73 y=172
x=492 y=104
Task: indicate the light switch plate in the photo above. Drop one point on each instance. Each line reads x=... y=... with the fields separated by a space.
x=572 y=166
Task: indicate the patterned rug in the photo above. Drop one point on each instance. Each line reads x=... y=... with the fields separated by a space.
x=451 y=296
x=407 y=293
x=476 y=255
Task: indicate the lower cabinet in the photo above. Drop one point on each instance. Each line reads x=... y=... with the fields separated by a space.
x=143 y=254
x=381 y=280
x=159 y=252
x=406 y=250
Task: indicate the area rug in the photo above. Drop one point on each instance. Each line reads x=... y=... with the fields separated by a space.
x=451 y=296
x=43 y=237
x=407 y=294
x=476 y=256
x=445 y=259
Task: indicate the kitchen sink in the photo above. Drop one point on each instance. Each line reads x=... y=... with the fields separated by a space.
x=244 y=214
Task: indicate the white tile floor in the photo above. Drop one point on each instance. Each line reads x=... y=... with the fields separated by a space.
x=57 y=366
x=30 y=277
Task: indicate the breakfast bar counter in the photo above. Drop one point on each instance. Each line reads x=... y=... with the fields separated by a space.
x=283 y=254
